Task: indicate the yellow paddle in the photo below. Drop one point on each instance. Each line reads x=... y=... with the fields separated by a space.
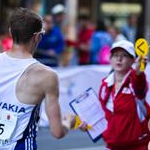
x=141 y=49
x=78 y=122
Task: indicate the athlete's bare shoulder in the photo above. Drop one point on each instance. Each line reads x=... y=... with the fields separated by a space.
x=36 y=82
x=41 y=69
x=42 y=74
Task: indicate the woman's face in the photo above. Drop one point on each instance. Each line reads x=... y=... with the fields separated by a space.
x=120 y=60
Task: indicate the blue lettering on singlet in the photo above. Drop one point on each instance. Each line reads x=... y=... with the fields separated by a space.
x=13 y=108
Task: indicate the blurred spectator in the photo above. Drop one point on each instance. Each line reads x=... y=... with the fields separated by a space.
x=69 y=57
x=100 y=44
x=130 y=29
x=85 y=32
x=116 y=34
x=58 y=12
x=5 y=39
x=60 y=20
x=52 y=43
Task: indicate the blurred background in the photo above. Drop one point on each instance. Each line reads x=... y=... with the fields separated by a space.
x=78 y=36
x=75 y=25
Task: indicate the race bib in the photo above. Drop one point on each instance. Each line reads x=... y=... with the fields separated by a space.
x=8 y=122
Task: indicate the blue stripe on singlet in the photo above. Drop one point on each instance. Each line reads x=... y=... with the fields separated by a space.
x=28 y=141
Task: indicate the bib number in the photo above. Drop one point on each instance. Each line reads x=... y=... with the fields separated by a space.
x=8 y=122
x=1 y=128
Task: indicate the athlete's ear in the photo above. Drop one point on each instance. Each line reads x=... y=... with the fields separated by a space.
x=38 y=35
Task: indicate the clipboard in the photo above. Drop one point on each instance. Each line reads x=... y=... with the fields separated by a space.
x=88 y=108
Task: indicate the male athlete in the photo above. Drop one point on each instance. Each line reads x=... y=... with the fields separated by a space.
x=24 y=83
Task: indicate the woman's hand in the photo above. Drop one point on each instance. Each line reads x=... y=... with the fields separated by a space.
x=84 y=126
x=138 y=61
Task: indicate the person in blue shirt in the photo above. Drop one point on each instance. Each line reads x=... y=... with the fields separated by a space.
x=129 y=30
x=101 y=39
x=52 y=44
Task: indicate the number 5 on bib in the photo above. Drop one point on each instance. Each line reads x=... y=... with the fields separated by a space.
x=8 y=122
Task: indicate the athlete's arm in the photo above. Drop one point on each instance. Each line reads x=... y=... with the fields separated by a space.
x=58 y=127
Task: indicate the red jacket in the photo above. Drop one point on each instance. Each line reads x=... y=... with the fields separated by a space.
x=127 y=124
x=84 y=37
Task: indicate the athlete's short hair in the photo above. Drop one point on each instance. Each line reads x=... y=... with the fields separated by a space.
x=23 y=24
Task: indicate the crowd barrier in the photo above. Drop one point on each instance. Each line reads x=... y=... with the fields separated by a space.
x=75 y=80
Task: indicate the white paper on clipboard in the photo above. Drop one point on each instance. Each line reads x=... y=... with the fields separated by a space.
x=88 y=108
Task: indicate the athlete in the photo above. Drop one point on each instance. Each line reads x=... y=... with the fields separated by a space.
x=24 y=83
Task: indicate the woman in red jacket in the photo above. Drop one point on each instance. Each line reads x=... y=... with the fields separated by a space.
x=122 y=95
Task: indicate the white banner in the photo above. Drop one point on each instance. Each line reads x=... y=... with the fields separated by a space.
x=74 y=81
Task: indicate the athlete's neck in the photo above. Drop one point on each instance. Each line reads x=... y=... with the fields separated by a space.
x=20 y=51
